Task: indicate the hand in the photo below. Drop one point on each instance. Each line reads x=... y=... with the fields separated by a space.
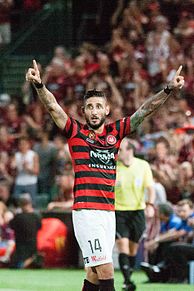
x=191 y=221
x=149 y=211
x=51 y=205
x=33 y=74
x=109 y=79
x=178 y=80
x=150 y=245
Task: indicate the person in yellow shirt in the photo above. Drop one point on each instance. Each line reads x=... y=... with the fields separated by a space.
x=133 y=183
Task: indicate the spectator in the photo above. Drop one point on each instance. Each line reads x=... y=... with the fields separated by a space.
x=63 y=159
x=25 y=225
x=64 y=198
x=166 y=167
x=47 y=155
x=186 y=181
x=170 y=224
x=6 y=234
x=26 y=164
x=5 y=21
x=160 y=191
x=13 y=121
x=173 y=268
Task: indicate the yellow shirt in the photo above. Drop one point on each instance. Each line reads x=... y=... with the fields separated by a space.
x=131 y=183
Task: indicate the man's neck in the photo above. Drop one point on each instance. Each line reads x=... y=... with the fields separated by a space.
x=98 y=130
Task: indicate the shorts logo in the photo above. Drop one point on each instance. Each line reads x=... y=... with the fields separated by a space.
x=98 y=259
x=111 y=139
x=86 y=260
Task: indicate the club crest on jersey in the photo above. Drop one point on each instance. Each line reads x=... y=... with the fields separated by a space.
x=111 y=139
x=91 y=135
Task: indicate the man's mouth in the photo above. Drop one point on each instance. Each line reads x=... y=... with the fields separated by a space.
x=94 y=119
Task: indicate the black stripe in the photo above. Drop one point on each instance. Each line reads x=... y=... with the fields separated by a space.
x=95 y=174
x=97 y=187
x=94 y=199
x=81 y=149
x=125 y=126
x=118 y=125
x=82 y=161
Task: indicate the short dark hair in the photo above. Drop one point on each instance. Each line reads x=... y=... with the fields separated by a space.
x=185 y=202
x=24 y=199
x=166 y=209
x=94 y=93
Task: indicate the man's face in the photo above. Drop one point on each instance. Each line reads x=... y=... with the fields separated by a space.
x=96 y=109
x=184 y=211
x=125 y=151
x=161 y=150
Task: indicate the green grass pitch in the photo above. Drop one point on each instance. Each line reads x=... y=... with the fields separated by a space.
x=70 y=280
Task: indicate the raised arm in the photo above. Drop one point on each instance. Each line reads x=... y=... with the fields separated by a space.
x=46 y=97
x=154 y=102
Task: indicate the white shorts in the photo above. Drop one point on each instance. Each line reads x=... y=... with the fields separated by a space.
x=95 y=233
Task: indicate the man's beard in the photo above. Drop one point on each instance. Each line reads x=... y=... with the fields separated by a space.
x=96 y=126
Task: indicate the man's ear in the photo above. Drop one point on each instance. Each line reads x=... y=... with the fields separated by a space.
x=83 y=109
x=107 y=110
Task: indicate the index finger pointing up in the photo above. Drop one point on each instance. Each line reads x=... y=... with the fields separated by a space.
x=178 y=71
x=35 y=66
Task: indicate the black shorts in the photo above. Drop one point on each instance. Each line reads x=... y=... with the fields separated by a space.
x=130 y=224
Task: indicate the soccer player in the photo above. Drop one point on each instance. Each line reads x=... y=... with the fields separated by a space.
x=134 y=180
x=94 y=148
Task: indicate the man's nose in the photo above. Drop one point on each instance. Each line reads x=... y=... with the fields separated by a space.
x=94 y=110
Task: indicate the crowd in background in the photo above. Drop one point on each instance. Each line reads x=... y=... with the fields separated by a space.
x=149 y=40
x=14 y=14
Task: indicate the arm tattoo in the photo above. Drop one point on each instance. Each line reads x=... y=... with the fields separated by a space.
x=58 y=115
x=46 y=97
x=147 y=108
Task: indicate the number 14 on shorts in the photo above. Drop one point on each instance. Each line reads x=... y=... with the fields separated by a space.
x=95 y=245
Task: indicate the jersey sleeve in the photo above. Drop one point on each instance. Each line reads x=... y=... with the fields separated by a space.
x=71 y=128
x=123 y=127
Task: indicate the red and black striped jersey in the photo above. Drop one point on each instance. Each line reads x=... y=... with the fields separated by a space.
x=94 y=161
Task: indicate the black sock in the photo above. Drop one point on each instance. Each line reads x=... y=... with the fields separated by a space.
x=107 y=285
x=124 y=266
x=88 y=286
x=132 y=263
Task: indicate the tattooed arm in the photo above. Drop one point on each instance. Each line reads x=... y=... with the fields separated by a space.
x=46 y=97
x=153 y=103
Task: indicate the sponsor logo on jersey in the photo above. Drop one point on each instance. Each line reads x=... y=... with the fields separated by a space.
x=105 y=156
x=91 y=135
x=90 y=140
x=111 y=139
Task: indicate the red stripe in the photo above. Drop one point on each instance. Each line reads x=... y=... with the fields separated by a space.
x=94 y=180
x=92 y=205
x=97 y=193
x=80 y=168
x=77 y=155
x=77 y=142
